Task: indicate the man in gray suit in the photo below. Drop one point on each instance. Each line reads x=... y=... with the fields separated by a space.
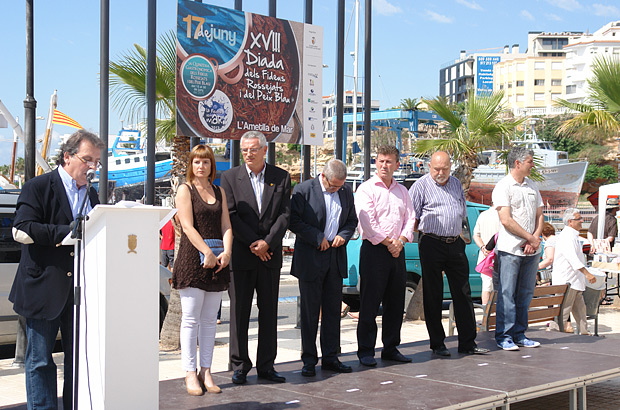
x=259 y=203
x=323 y=219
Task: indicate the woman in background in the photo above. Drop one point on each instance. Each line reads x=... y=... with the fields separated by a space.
x=204 y=219
x=546 y=264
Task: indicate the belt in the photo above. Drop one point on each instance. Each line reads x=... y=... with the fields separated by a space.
x=446 y=239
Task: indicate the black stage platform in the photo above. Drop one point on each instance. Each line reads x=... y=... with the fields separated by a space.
x=564 y=362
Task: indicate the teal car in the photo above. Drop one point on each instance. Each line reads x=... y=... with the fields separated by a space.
x=350 y=289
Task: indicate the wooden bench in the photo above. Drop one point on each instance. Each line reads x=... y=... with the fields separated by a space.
x=547 y=304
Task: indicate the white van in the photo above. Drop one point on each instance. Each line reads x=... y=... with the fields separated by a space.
x=10 y=252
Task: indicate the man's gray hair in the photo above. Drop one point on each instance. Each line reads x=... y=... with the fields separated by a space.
x=251 y=135
x=518 y=154
x=335 y=169
x=569 y=214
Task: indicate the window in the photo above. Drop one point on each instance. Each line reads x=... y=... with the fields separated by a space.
x=571 y=89
x=501 y=86
x=555 y=96
x=520 y=83
x=136 y=159
x=539 y=82
x=556 y=81
x=556 y=65
x=349 y=99
x=593 y=50
x=539 y=96
x=520 y=97
x=555 y=43
x=127 y=160
x=10 y=251
x=118 y=162
x=539 y=65
x=509 y=85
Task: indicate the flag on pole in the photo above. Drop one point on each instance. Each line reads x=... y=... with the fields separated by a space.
x=63 y=119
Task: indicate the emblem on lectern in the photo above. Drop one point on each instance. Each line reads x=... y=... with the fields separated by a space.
x=132 y=243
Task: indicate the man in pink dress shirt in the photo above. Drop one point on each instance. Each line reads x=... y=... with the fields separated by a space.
x=384 y=211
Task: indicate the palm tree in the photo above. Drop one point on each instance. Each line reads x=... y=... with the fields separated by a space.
x=599 y=115
x=128 y=85
x=481 y=126
x=409 y=104
x=128 y=91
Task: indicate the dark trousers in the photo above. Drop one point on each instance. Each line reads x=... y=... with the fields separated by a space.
x=241 y=291
x=321 y=295
x=383 y=279
x=437 y=256
x=41 y=378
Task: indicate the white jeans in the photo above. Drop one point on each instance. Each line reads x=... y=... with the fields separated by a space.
x=198 y=324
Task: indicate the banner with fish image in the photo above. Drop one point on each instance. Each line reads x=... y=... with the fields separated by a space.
x=238 y=72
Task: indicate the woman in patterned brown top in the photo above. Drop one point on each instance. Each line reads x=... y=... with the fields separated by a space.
x=204 y=218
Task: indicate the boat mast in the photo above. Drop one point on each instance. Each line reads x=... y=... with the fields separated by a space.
x=355 y=54
x=48 y=129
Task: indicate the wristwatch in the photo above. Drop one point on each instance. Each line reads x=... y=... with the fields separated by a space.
x=403 y=242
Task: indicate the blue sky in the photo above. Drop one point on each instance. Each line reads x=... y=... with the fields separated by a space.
x=411 y=40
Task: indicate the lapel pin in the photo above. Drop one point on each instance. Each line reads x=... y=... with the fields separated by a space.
x=271 y=184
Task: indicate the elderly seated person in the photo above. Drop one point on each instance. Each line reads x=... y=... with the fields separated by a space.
x=569 y=267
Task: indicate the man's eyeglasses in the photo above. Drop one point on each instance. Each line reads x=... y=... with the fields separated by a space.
x=577 y=219
x=330 y=185
x=250 y=150
x=91 y=164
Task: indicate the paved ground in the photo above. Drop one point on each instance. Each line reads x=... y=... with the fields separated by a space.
x=604 y=395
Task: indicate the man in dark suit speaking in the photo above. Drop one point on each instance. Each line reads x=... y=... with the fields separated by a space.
x=259 y=203
x=43 y=288
x=323 y=219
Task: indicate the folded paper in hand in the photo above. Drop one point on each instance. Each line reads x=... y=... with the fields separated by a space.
x=216 y=245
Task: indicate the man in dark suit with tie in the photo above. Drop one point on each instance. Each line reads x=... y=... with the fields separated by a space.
x=43 y=288
x=323 y=219
x=259 y=203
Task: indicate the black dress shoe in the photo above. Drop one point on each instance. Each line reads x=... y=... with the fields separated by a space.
x=442 y=351
x=396 y=357
x=368 y=361
x=336 y=366
x=239 y=377
x=474 y=350
x=308 y=370
x=272 y=376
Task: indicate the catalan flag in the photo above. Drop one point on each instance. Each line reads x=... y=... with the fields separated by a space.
x=63 y=119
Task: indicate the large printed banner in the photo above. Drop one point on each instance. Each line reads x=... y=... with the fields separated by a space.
x=239 y=71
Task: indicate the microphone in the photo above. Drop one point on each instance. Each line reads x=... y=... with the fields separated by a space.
x=90 y=174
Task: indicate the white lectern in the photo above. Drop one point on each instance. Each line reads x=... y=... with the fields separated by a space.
x=119 y=312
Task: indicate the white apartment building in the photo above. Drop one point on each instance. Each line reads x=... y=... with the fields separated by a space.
x=476 y=70
x=329 y=111
x=580 y=54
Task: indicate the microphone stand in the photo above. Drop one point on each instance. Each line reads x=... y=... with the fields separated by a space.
x=78 y=233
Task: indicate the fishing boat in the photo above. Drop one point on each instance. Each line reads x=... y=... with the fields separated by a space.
x=127 y=159
x=562 y=182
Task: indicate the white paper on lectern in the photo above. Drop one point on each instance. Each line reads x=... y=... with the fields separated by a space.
x=133 y=204
x=68 y=240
